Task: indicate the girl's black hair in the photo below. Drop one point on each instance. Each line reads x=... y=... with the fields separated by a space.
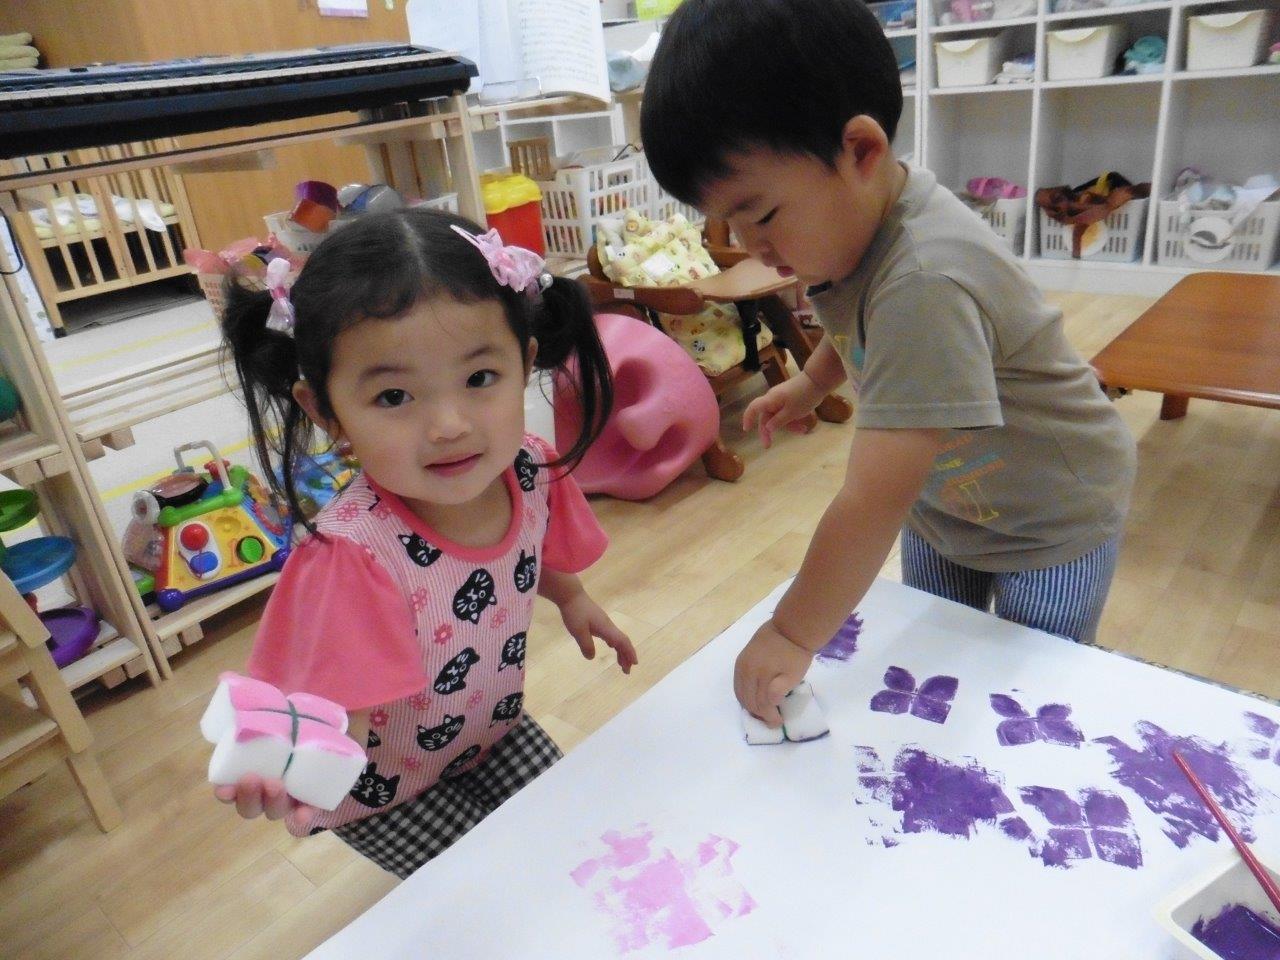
x=378 y=267
x=733 y=75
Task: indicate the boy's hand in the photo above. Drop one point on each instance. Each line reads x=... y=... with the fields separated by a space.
x=767 y=668
x=782 y=406
x=584 y=619
x=255 y=797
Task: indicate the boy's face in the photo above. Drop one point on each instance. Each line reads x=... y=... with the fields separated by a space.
x=794 y=212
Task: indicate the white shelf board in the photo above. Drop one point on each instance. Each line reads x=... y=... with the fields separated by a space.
x=110 y=651
x=981 y=88
x=171 y=624
x=1262 y=70
x=899 y=32
x=983 y=26
x=1115 y=80
x=1107 y=12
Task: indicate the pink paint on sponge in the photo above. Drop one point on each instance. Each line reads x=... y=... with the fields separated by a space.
x=300 y=739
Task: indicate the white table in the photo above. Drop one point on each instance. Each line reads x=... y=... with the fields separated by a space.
x=791 y=841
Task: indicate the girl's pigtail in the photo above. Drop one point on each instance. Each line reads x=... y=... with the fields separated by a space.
x=267 y=366
x=565 y=329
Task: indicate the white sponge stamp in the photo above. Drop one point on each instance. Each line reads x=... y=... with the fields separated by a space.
x=300 y=739
x=802 y=720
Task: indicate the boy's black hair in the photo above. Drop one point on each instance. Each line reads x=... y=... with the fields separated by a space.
x=376 y=269
x=731 y=75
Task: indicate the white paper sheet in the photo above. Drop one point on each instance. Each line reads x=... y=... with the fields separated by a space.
x=779 y=851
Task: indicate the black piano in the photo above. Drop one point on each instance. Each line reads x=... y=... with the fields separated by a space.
x=43 y=111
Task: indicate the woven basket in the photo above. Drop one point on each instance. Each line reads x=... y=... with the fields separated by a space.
x=211 y=287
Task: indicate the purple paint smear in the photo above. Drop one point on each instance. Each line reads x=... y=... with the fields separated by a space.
x=653 y=897
x=932 y=701
x=1268 y=748
x=1101 y=820
x=936 y=796
x=845 y=643
x=1237 y=933
x=1051 y=723
x=1151 y=773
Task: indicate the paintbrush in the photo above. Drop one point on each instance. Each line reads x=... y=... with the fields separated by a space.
x=1251 y=861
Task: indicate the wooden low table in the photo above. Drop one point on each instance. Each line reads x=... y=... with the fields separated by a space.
x=1214 y=335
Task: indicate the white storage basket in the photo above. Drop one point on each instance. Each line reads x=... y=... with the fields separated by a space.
x=1251 y=245
x=1008 y=220
x=1084 y=52
x=296 y=238
x=1117 y=239
x=970 y=62
x=1224 y=40
x=662 y=204
x=580 y=196
x=447 y=202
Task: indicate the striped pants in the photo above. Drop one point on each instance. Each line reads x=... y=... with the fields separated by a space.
x=1065 y=600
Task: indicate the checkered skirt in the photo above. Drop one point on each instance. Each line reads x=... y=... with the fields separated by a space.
x=411 y=833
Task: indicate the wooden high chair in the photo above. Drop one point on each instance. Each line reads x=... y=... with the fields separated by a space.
x=756 y=291
x=35 y=739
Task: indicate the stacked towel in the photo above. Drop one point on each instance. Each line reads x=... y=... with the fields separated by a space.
x=16 y=52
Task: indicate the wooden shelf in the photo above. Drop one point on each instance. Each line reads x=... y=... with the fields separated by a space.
x=110 y=407
x=22 y=728
x=19 y=448
x=170 y=625
x=110 y=652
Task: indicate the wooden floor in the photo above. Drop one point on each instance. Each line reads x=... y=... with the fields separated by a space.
x=1198 y=588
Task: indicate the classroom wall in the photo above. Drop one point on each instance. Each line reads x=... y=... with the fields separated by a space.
x=226 y=206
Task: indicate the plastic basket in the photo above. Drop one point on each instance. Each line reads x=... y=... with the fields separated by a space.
x=581 y=195
x=662 y=204
x=1251 y=245
x=1117 y=239
x=1237 y=38
x=1008 y=220
x=211 y=287
x=446 y=202
x=971 y=61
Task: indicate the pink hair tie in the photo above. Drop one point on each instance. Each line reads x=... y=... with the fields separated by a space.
x=516 y=267
x=281 y=318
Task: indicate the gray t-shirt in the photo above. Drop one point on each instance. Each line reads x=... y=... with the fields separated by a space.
x=939 y=326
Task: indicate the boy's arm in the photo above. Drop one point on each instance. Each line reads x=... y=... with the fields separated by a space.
x=824 y=366
x=887 y=469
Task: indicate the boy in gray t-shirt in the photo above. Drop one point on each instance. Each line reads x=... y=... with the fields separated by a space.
x=981 y=435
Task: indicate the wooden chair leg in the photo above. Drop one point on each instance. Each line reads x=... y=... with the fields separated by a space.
x=96 y=790
x=834 y=409
x=721 y=463
x=775 y=371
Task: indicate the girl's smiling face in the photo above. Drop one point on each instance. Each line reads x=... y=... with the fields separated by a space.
x=432 y=401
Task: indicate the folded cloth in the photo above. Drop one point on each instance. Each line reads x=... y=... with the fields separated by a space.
x=17 y=52
x=802 y=720
x=24 y=63
x=14 y=39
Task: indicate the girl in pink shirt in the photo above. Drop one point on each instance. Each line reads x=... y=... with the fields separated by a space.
x=408 y=338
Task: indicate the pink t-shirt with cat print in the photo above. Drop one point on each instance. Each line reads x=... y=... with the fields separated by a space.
x=380 y=611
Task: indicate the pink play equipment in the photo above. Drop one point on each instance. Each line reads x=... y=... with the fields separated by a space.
x=665 y=415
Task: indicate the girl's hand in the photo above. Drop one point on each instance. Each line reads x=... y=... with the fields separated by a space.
x=766 y=670
x=255 y=796
x=782 y=406
x=584 y=619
